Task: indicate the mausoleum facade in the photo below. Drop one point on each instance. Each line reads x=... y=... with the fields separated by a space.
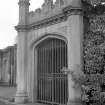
x=49 y=39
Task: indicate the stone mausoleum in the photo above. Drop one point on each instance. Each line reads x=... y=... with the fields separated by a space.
x=49 y=39
x=8 y=66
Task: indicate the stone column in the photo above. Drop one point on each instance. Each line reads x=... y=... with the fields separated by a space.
x=21 y=94
x=75 y=34
x=15 y=65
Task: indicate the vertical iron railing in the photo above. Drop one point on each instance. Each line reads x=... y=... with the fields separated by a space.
x=52 y=83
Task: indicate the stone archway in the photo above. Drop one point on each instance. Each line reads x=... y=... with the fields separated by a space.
x=52 y=85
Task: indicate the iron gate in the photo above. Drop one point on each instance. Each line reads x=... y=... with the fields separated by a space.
x=52 y=83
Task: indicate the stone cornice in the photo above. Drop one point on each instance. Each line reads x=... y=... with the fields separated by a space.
x=66 y=12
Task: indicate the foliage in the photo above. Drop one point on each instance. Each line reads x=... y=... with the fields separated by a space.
x=94 y=2
x=93 y=7
x=93 y=84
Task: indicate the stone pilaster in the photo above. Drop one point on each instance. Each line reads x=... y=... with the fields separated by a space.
x=74 y=88
x=21 y=94
x=75 y=34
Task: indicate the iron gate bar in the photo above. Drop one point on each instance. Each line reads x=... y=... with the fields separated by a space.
x=44 y=75
x=55 y=68
x=41 y=79
x=63 y=94
x=52 y=72
x=61 y=77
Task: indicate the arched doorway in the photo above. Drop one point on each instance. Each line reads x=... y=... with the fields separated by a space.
x=51 y=81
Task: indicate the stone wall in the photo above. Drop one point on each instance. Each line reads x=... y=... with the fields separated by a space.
x=8 y=65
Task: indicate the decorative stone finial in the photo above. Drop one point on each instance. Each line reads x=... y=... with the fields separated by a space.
x=59 y=3
x=48 y=5
x=38 y=10
x=24 y=2
x=23 y=11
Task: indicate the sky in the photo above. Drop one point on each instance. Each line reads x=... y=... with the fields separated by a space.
x=9 y=19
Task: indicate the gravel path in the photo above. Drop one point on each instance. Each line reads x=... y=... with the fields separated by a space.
x=7 y=92
x=1 y=103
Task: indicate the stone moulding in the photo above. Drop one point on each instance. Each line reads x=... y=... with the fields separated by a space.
x=61 y=17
